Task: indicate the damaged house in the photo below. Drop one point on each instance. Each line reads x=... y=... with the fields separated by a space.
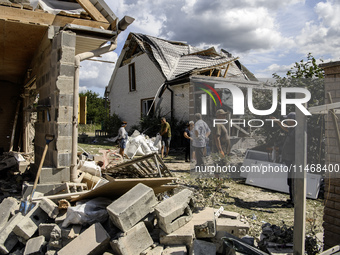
x=41 y=50
x=152 y=76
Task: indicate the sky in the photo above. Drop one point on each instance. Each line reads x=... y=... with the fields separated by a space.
x=268 y=36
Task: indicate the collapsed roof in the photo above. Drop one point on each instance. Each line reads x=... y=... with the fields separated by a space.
x=178 y=59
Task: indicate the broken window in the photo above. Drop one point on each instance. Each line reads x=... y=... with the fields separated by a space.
x=147 y=106
x=132 y=77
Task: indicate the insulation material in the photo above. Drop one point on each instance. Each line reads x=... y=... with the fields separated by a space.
x=55 y=7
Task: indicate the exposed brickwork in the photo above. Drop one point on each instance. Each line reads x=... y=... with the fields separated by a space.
x=53 y=66
x=332 y=182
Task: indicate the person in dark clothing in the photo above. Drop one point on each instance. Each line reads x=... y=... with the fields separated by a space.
x=188 y=138
x=288 y=152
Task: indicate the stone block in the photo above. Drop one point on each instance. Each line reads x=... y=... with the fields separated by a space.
x=175 y=250
x=26 y=228
x=35 y=246
x=229 y=215
x=42 y=188
x=234 y=227
x=54 y=175
x=45 y=230
x=133 y=206
x=175 y=211
x=61 y=216
x=134 y=241
x=203 y=248
x=182 y=236
x=7 y=206
x=204 y=223
x=158 y=250
x=7 y=238
x=93 y=240
x=49 y=207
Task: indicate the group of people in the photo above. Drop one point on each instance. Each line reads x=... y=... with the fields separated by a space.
x=197 y=135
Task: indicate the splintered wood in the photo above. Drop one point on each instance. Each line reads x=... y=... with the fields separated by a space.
x=149 y=166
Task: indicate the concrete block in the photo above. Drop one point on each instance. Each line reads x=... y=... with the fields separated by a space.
x=26 y=228
x=53 y=175
x=204 y=223
x=92 y=241
x=55 y=238
x=229 y=214
x=158 y=250
x=182 y=236
x=134 y=241
x=43 y=188
x=7 y=206
x=49 y=207
x=234 y=227
x=35 y=246
x=133 y=206
x=175 y=250
x=8 y=239
x=45 y=230
x=175 y=211
x=203 y=248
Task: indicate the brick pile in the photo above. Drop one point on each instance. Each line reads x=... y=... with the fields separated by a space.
x=136 y=223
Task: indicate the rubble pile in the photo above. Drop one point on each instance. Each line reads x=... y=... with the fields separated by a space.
x=135 y=223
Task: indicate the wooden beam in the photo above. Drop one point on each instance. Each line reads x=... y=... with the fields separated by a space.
x=320 y=109
x=42 y=18
x=92 y=11
x=226 y=71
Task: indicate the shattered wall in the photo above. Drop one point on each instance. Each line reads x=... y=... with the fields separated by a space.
x=54 y=68
x=332 y=182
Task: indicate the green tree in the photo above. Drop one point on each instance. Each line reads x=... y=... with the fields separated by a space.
x=96 y=111
x=305 y=74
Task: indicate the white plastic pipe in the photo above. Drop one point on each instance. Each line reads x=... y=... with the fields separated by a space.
x=77 y=59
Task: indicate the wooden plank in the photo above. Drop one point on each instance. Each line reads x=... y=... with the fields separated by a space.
x=321 y=108
x=92 y=11
x=28 y=16
x=119 y=187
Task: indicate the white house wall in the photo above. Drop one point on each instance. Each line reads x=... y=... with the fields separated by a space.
x=127 y=104
x=181 y=102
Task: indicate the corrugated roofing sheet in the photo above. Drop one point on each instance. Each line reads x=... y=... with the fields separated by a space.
x=176 y=58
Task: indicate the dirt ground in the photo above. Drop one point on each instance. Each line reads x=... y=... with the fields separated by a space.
x=256 y=205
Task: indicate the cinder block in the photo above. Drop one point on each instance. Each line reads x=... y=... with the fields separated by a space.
x=134 y=241
x=7 y=206
x=92 y=241
x=158 y=250
x=234 y=227
x=182 y=236
x=175 y=211
x=49 y=207
x=228 y=214
x=8 y=239
x=133 y=206
x=26 y=228
x=175 y=250
x=204 y=223
x=53 y=175
x=55 y=238
x=45 y=230
x=35 y=245
x=203 y=248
